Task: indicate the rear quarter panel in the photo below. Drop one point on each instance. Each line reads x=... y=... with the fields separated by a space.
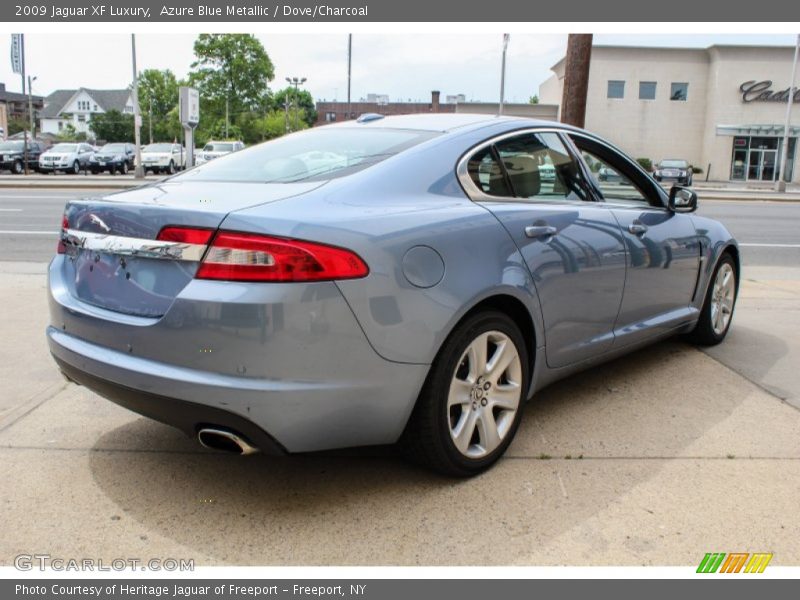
x=410 y=200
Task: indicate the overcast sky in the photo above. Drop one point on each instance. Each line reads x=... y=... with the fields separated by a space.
x=402 y=66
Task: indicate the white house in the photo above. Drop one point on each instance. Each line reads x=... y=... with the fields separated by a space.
x=76 y=107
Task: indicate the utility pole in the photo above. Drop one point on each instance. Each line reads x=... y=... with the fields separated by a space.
x=226 y=116
x=780 y=185
x=24 y=131
x=30 y=106
x=349 y=70
x=138 y=170
x=576 y=79
x=506 y=37
x=150 y=118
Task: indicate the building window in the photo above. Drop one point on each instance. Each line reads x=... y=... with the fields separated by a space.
x=330 y=117
x=60 y=125
x=616 y=89
x=81 y=118
x=679 y=91
x=95 y=108
x=647 y=90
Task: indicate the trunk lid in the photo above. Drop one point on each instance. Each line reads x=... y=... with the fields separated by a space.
x=108 y=275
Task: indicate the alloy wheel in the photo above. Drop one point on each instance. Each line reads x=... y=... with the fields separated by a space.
x=484 y=394
x=722 y=298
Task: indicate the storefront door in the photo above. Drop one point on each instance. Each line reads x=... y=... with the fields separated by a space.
x=762 y=165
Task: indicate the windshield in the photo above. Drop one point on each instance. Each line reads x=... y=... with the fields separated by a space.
x=11 y=146
x=673 y=164
x=218 y=148
x=64 y=148
x=158 y=148
x=113 y=148
x=321 y=153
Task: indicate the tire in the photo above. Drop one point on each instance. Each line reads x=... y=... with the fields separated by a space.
x=17 y=168
x=124 y=168
x=466 y=416
x=689 y=181
x=95 y=171
x=76 y=168
x=721 y=295
x=171 y=168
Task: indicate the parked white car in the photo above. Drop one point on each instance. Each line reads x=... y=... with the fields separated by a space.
x=69 y=157
x=214 y=150
x=163 y=158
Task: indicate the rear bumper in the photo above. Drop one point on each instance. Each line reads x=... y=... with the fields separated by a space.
x=290 y=360
x=189 y=417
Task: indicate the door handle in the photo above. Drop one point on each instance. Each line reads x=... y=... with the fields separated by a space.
x=540 y=231
x=637 y=228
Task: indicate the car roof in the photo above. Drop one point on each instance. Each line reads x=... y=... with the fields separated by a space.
x=444 y=122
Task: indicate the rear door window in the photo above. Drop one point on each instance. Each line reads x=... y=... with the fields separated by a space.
x=530 y=166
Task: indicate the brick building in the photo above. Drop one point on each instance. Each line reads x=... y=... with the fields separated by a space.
x=334 y=112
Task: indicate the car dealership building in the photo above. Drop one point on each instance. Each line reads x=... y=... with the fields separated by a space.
x=722 y=108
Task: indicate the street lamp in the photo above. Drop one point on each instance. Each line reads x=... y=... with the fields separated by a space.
x=296 y=82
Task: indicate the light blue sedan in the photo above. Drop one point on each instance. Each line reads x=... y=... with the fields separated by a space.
x=415 y=282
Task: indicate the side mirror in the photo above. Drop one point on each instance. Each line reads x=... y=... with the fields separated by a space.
x=682 y=200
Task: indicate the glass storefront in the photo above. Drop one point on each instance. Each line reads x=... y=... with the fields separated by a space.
x=758 y=158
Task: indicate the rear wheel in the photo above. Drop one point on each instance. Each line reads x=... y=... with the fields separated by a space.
x=717 y=311
x=471 y=404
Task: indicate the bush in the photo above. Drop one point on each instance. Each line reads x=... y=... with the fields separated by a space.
x=645 y=163
x=697 y=170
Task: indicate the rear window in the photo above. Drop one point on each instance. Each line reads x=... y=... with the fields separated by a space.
x=322 y=153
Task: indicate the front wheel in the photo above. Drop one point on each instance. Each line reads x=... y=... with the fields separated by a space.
x=124 y=168
x=471 y=404
x=76 y=168
x=717 y=311
x=17 y=167
x=171 y=168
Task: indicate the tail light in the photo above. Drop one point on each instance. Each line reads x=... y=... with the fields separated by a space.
x=61 y=248
x=249 y=257
x=185 y=235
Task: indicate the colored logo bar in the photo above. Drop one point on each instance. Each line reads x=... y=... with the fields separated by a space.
x=735 y=562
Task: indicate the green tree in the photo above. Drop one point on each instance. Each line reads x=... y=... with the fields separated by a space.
x=233 y=67
x=113 y=126
x=533 y=99
x=70 y=134
x=16 y=124
x=158 y=95
x=304 y=100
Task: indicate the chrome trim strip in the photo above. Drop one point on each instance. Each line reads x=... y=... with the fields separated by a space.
x=130 y=246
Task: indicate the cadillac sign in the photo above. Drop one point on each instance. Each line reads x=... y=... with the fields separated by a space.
x=761 y=91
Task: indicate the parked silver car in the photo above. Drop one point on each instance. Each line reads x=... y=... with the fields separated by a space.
x=214 y=150
x=419 y=289
x=70 y=157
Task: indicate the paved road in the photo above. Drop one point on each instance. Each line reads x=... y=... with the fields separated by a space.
x=768 y=231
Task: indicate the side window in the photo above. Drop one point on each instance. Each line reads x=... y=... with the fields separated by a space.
x=539 y=167
x=487 y=174
x=610 y=176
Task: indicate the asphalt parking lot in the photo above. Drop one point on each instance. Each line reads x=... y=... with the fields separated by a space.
x=653 y=459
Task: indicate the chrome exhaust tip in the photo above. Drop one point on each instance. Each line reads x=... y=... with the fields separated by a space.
x=225 y=440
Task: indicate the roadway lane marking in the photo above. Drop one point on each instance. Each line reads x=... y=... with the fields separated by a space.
x=10 y=210
x=769 y=245
x=24 y=232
